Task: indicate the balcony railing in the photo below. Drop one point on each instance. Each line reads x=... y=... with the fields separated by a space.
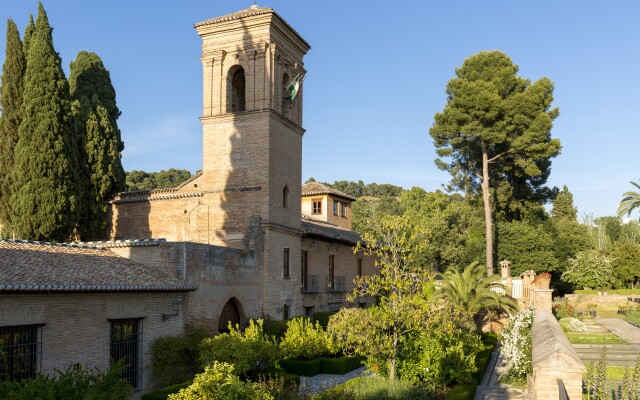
x=337 y=285
x=311 y=284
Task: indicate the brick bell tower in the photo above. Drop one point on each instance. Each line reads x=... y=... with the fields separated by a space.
x=252 y=140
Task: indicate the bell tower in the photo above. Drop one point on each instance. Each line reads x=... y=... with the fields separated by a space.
x=252 y=135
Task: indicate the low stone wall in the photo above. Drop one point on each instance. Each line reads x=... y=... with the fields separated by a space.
x=597 y=298
x=556 y=365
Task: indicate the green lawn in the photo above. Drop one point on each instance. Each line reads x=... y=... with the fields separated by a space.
x=595 y=338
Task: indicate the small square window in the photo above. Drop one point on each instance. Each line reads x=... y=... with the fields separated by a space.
x=317 y=206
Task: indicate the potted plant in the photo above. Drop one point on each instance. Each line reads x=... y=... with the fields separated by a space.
x=542 y=281
x=592 y=309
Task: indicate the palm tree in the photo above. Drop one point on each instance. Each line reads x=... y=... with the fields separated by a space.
x=474 y=292
x=629 y=202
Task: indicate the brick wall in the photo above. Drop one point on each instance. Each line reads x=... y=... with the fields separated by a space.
x=77 y=328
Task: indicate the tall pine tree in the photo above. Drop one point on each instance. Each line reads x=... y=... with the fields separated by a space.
x=45 y=189
x=28 y=34
x=95 y=114
x=13 y=72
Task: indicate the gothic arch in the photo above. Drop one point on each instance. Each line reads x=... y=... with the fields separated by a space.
x=232 y=312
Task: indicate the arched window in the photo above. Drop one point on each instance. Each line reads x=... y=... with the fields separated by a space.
x=238 y=99
x=285 y=196
x=285 y=93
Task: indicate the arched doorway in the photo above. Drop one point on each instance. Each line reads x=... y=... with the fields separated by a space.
x=231 y=313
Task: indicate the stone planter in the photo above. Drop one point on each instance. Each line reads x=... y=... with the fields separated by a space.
x=542 y=282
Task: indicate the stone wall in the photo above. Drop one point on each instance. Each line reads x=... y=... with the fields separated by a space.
x=554 y=361
x=76 y=327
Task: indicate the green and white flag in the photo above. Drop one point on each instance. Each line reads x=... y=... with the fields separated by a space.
x=294 y=87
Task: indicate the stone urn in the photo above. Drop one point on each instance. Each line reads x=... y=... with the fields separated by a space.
x=542 y=281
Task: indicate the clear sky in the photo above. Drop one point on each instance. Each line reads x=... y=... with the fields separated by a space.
x=377 y=74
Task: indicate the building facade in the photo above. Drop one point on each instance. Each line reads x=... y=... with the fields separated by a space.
x=242 y=230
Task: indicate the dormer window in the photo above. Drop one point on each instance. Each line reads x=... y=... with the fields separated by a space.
x=317 y=206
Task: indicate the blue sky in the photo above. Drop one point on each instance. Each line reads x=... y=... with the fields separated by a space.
x=377 y=74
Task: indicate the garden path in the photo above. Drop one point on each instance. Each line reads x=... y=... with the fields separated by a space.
x=621 y=328
x=491 y=389
x=318 y=383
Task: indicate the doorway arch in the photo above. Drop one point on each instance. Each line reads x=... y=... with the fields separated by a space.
x=231 y=313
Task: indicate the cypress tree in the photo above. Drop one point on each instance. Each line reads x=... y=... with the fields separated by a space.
x=13 y=72
x=95 y=114
x=28 y=34
x=44 y=197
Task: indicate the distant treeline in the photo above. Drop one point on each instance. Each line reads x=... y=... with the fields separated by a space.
x=360 y=189
x=141 y=180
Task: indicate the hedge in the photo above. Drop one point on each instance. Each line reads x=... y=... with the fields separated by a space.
x=163 y=393
x=334 y=366
x=323 y=317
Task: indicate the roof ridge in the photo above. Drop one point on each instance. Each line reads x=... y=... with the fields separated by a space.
x=79 y=245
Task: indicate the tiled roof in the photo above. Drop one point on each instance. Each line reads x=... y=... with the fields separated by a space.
x=250 y=12
x=317 y=188
x=313 y=227
x=27 y=266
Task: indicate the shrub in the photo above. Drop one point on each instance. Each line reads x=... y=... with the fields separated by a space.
x=323 y=317
x=302 y=368
x=274 y=327
x=562 y=309
x=466 y=391
x=375 y=388
x=304 y=341
x=572 y=325
x=176 y=359
x=166 y=391
x=70 y=385
x=516 y=344
x=334 y=366
x=250 y=352
x=590 y=269
x=220 y=382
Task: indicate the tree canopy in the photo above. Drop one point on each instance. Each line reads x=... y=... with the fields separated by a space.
x=496 y=127
x=141 y=180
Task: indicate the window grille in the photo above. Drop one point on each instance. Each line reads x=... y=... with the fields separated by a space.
x=126 y=345
x=20 y=352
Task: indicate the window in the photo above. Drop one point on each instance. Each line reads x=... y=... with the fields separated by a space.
x=285 y=267
x=126 y=344
x=286 y=311
x=285 y=92
x=317 y=206
x=238 y=91
x=359 y=267
x=343 y=209
x=331 y=271
x=308 y=312
x=335 y=207
x=20 y=352
x=285 y=196
x=303 y=269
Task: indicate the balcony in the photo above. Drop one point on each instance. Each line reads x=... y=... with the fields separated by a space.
x=337 y=285
x=311 y=284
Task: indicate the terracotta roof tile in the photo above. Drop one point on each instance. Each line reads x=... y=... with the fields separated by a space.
x=313 y=227
x=39 y=266
x=317 y=188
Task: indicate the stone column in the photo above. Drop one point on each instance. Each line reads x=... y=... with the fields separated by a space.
x=542 y=299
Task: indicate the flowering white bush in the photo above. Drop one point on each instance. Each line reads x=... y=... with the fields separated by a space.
x=516 y=344
x=572 y=325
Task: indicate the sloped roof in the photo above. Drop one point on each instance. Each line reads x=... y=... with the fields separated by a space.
x=27 y=266
x=316 y=188
x=250 y=12
x=326 y=230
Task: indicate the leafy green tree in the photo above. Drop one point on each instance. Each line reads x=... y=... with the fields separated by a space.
x=626 y=263
x=11 y=95
x=95 y=116
x=527 y=247
x=496 y=126
x=400 y=288
x=630 y=201
x=141 y=180
x=590 y=269
x=569 y=238
x=471 y=291
x=563 y=207
x=45 y=188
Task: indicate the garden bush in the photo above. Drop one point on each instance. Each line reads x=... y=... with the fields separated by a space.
x=465 y=391
x=219 y=381
x=562 y=309
x=274 y=327
x=323 y=317
x=70 y=385
x=176 y=359
x=304 y=341
x=516 y=345
x=572 y=325
x=163 y=393
x=375 y=388
x=301 y=367
x=249 y=352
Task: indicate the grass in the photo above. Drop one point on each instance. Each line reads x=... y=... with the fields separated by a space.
x=609 y=291
x=595 y=338
x=617 y=373
x=375 y=388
